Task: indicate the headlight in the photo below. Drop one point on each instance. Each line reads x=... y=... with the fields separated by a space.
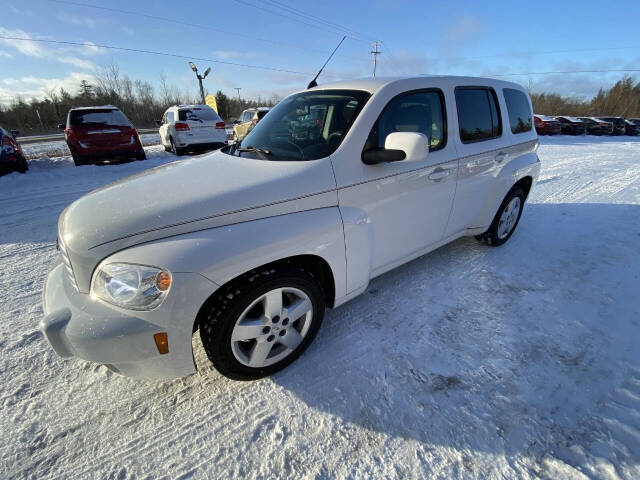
x=137 y=287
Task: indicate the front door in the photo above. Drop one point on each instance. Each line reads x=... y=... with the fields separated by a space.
x=405 y=204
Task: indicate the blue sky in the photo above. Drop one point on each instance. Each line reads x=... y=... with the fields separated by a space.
x=458 y=38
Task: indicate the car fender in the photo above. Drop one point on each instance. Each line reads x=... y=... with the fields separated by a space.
x=525 y=165
x=223 y=253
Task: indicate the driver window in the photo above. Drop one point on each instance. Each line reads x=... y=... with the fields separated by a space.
x=420 y=112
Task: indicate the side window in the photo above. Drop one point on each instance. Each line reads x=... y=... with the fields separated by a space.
x=170 y=117
x=478 y=114
x=518 y=109
x=421 y=112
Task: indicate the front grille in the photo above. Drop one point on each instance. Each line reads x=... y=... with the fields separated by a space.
x=67 y=263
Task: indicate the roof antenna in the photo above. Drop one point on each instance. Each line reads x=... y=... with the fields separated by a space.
x=313 y=82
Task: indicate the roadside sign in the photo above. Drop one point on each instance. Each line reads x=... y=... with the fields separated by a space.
x=211 y=101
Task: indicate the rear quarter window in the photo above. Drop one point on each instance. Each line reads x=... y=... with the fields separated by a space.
x=518 y=109
x=478 y=114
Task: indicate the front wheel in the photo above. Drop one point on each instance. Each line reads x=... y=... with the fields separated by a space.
x=262 y=322
x=506 y=220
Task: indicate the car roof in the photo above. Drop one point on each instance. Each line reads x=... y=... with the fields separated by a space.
x=373 y=84
x=96 y=107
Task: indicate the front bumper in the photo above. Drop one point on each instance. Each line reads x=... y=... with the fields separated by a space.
x=78 y=326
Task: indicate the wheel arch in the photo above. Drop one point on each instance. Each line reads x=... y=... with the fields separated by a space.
x=314 y=264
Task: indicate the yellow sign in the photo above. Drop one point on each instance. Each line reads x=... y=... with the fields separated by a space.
x=211 y=101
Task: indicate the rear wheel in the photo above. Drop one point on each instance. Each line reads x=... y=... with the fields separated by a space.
x=22 y=165
x=506 y=220
x=141 y=155
x=260 y=323
x=176 y=151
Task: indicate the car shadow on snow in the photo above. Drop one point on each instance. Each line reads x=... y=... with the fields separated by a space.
x=504 y=349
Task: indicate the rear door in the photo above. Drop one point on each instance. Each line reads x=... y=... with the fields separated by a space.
x=202 y=121
x=481 y=142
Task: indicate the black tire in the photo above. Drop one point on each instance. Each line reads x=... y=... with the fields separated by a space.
x=80 y=160
x=491 y=236
x=176 y=151
x=22 y=166
x=219 y=315
x=141 y=155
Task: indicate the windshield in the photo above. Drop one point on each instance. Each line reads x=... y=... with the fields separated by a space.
x=98 y=117
x=206 y=114
x=305 y=126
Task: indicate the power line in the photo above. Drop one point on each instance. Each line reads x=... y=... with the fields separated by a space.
x=196 y=25
x=295 y=11
x=152 y=52
x=339 y=31
x=621 y=70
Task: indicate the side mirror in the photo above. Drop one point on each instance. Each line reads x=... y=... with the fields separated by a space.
x=158 y=122
x=15 y=133
x=399 y=146
x=62 y=126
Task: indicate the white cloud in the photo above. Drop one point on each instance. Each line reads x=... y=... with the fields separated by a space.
x=226 y=54
x=29 y=87
x=67 y=55
x=78 y=21
x=460 y=33
x=4 y=54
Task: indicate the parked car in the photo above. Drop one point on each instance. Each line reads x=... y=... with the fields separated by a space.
x=11 y=157
x=251 y=243
x=595 y=126
x=247 y=121
x=618 y=124
x=546 y=125
x=96 y=133
x=191 y=127
x=571 y=125
x=632 y=128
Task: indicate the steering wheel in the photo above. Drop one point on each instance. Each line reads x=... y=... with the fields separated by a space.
x=289 y=142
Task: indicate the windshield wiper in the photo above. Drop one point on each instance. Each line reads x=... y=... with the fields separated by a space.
x=262 y=152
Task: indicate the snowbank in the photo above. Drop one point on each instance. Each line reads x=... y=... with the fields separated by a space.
x=471 y=362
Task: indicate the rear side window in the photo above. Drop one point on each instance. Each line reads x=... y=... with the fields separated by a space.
x=420 y=112
x=98 y=117
x=518 y=109
x=196 y=114
x=478 y=114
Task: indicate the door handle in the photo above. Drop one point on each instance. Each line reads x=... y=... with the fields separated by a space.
x=439 y=174
x=501 y=157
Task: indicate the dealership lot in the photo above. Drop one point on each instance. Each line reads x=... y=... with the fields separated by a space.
x=469 y=361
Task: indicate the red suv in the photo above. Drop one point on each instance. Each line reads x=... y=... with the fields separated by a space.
x=93 y=133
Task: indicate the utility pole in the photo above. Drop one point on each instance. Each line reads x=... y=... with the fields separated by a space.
x=200 y=78
x=239 y=99
x=375 y=52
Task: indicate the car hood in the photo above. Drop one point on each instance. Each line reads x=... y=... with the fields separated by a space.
x=181 y=197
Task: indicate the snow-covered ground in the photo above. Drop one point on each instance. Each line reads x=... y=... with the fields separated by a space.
x=472 y=362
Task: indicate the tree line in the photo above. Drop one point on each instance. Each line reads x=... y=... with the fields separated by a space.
x=138 y=99
x=143 y=104
x=621 y=100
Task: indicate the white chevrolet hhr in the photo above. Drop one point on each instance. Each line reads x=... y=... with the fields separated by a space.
x=337 y=185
